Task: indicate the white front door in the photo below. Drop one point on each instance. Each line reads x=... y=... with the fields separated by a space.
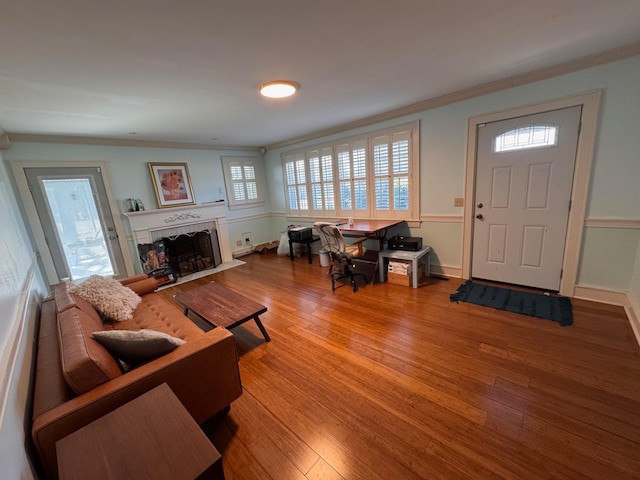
x=524 y=177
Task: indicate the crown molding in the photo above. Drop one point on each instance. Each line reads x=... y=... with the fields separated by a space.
x=582 y=63
x=117 y=142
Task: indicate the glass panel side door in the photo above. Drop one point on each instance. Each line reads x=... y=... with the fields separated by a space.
x=77 y=222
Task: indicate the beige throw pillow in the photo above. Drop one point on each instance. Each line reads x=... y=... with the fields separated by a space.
x=109 y=297
x=137 y=346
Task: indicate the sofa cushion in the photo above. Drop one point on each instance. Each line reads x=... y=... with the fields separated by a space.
x=155 y=313
x=137 y=346
x=85 y=363
x=108 y=296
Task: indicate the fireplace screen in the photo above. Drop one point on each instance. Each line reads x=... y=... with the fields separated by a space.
x=181 y=254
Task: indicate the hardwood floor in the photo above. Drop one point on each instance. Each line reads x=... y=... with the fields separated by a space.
x=399 y=383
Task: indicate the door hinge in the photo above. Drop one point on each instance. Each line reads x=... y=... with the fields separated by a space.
x=561 y=272
x=579 y=128
x=570 y=205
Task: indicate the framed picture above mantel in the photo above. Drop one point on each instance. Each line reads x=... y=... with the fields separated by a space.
x=172 y=184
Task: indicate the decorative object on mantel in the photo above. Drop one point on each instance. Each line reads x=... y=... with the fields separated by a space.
x=172 y=184
x=181 y=216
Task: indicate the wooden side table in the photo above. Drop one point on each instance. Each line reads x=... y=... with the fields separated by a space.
x=152 y=436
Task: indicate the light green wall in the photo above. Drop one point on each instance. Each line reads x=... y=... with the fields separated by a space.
x=443 y=131
x=130 y=176
x=614 y=191
x=17 y=257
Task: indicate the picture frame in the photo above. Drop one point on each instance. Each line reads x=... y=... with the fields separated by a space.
x=172 y=184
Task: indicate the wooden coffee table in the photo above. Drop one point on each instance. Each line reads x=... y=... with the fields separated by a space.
x=221 y=306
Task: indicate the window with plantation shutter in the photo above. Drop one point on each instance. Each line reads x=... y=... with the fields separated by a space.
x=369 y=176
x=242 y=181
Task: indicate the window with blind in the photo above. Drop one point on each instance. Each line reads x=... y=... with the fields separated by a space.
x=242 y=181
x=369 y=176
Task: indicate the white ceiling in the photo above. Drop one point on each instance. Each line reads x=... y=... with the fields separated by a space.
x=189 y=70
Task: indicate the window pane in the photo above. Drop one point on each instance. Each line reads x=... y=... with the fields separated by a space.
x=302 y=197
x=238 y=191
x=344 y=166
x=77 y=222
x=401 y=193
x=301 y=176
x=359 y=163
x=382 y=193
x=316 y=196
x=314 y=169
x=401 y=157
x=290 y=173
x=531 y=136
x=329 y=198
x=327 y=168
x=293 y=198
x=360 y=191
x=249 y=172
x=345 y=196
x=381 y=159
x=236 y=172
x=252 y=190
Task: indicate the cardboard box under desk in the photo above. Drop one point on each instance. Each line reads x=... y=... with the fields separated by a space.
x=401 y=279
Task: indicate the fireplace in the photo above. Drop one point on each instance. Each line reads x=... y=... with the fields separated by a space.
x=191 y=238
x=192 y=252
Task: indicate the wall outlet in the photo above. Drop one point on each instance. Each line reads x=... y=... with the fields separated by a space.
x=239 y=243
x=246 y=239
x=458 y=202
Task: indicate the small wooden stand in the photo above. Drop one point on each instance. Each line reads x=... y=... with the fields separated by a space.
x=152 y=436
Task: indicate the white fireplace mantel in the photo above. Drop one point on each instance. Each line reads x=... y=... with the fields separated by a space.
x=144 y=223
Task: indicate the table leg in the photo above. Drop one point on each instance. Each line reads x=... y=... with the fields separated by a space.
x=291 y=250
x=262 y=329
x=309 y=253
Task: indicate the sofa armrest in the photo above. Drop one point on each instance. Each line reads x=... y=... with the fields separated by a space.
x=133 y=278
x=145 y=285
x=203 y=374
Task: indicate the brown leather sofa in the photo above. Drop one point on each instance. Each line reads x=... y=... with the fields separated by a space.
x=78 y=381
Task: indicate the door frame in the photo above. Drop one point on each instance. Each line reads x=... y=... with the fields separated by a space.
x=34 y=220
x=590 y=102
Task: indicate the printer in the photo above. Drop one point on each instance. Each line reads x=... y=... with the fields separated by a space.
x=299 y=233
x=411 y=244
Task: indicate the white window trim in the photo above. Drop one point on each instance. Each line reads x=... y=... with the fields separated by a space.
x=412 y=214
x=232 y=203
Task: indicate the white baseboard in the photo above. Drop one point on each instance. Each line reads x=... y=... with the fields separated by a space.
x=633 y=312
x=445 y=271
x=612 y=297
x=601 y=295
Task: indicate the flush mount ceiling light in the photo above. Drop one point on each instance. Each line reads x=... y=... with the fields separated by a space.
x=279 y=89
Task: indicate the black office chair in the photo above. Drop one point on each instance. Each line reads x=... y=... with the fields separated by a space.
x=340 y=253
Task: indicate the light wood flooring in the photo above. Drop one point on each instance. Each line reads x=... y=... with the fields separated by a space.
x=398 y=383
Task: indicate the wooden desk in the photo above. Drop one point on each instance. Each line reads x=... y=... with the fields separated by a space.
x=373 y=229
x=221 y=306
x=152 y=436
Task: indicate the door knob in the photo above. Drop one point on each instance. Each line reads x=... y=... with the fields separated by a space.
x=480 y=205
x=479 y=216
x=112 y=237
